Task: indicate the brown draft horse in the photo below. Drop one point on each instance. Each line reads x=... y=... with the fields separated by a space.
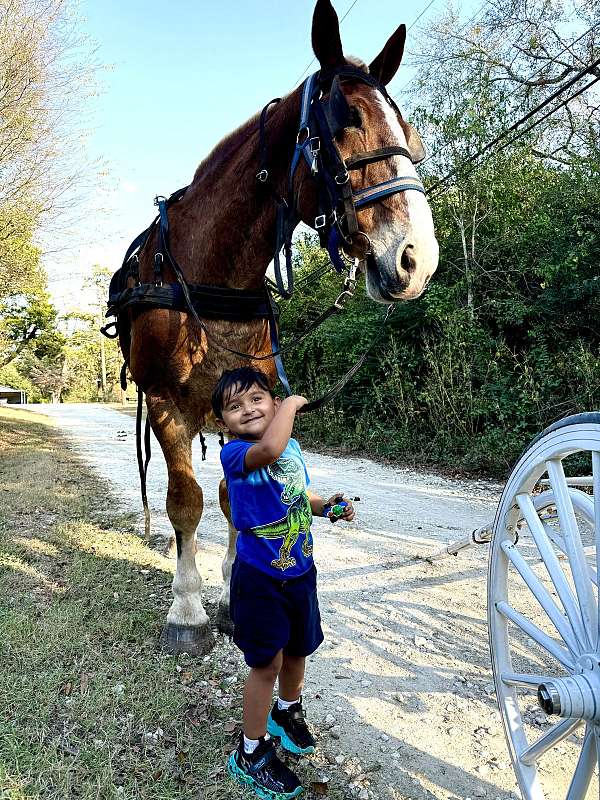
x=223 y=233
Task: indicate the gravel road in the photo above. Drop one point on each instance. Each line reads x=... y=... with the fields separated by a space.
x=401 y=690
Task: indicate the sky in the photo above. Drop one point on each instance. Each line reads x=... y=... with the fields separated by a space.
x=177 y=77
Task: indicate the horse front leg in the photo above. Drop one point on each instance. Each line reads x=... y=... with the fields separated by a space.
x=188 y=626
x=223 y=618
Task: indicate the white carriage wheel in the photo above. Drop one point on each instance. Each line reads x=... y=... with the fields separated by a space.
x=548 y=569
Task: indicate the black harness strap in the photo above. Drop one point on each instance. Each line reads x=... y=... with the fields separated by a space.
x=210 y=302
x=143 y=462
x=371 y=156
x=278 y=351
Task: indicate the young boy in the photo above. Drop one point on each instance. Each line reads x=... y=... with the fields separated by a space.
x=274 y=604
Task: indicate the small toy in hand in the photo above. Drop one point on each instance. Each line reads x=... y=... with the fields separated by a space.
x=334 y=513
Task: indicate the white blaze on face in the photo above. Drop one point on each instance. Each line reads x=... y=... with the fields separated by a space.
x=392 y=236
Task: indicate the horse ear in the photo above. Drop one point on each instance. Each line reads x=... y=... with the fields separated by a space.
x=385 y=66
x=326 y=42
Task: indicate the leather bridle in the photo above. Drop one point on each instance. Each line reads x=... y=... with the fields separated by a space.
x=324 y=113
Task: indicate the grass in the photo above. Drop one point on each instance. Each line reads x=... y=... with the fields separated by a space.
x=89 y=706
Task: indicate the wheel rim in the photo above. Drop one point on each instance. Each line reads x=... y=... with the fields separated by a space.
x=543 y=616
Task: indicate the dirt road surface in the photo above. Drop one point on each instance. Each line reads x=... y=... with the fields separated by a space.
x=401 y=691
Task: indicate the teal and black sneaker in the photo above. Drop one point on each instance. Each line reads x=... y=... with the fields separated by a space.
x=263 y=772
x=290 y=727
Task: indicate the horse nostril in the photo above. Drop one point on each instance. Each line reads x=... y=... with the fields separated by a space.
x=408 y=260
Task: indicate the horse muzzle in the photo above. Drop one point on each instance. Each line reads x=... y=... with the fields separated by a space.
x=403 y=274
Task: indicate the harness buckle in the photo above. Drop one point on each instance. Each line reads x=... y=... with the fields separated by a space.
x=315 y=145
x=320 y=221
x=342 y=178
x=262 y=176
x=343 y=298
x=349 y=286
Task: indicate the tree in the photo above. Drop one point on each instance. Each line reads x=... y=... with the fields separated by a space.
x=469 y=373
x=93 y=362
x=527 y=50
x=46 y=68
x=29 y=320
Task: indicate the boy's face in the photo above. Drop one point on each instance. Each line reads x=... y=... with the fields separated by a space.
x=248 y=414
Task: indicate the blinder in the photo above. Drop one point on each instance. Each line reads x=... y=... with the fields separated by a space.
x=337 y=109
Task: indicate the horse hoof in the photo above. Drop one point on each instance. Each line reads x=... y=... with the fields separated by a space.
x=190 y=639
x=224 y=623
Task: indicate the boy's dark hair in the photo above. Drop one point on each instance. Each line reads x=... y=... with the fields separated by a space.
x=241 y=380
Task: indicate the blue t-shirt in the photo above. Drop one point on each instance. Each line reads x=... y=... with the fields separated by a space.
x=270 y=509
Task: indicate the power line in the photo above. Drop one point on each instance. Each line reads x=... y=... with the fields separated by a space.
x=516 y=89
x=523 y=119
x=425 y=10
x=553 y=60
x=312 y=61
x=460 y=30
x=533 y=125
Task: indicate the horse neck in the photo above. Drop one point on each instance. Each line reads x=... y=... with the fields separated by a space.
x=223 y=229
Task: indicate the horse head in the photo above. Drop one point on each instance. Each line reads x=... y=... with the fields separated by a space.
x=396 y=241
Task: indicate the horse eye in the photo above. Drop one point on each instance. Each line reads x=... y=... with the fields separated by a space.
x=355 y=119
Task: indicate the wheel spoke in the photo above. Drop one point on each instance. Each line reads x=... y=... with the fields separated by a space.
x=552 y=565
x=585 y=767
x=559 y=542
x=575 y=553
x=543 y=597
x=523 y=681
x=596 y=491
x=550 y=645
x=549 y=739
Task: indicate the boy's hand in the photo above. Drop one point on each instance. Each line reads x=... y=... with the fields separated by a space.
x=349 y=513
x=298 y=400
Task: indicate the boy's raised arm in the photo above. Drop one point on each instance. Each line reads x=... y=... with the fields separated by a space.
x=277 y=435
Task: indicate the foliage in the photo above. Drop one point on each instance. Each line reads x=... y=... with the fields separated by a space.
x=46 y=70
x=29 y=321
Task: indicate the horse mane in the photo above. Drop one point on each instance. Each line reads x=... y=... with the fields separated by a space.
x=233 y=141
x=223 y=150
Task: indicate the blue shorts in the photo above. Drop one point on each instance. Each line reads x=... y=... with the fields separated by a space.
x=270 y=614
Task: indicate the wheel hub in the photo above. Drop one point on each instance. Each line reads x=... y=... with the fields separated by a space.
x=575 y=697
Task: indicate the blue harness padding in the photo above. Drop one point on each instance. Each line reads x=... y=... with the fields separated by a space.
x=371 y=194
